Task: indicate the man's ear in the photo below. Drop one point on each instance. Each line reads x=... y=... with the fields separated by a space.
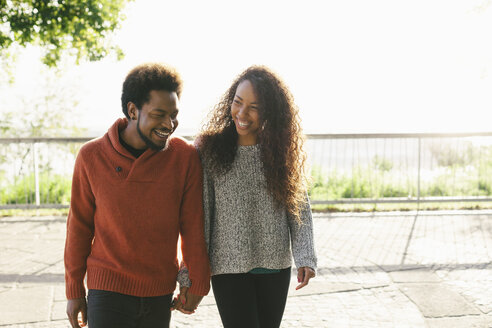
x=132 y=111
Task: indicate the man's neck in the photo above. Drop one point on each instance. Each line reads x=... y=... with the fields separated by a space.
x=130 y=136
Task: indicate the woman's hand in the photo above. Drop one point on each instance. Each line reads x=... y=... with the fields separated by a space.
x=303 y=276
x=186 y=302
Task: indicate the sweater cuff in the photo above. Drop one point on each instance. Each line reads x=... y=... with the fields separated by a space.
x=200 y=287
x=74 y=290
x=183 y=277
x=307 y=263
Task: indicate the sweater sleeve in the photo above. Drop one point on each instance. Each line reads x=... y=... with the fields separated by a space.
x=302 y=238
x=193 y=244
x=80 y=230
x=208 y=196
x=208 y=206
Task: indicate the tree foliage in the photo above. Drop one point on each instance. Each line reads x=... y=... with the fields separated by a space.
x=51 y=109
x=79 y=28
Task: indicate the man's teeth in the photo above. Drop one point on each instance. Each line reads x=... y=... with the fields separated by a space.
x=162 y=134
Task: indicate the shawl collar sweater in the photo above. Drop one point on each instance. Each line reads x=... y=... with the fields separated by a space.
x=125 y=217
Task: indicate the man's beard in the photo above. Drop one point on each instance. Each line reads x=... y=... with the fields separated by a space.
x=149 y=142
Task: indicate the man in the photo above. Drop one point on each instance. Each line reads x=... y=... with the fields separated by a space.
x=134 y=190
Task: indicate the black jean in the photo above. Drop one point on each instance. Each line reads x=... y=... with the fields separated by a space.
x=107 y=309
x=251 y=300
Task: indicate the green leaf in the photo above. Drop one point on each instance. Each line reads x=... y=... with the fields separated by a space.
x=73 y=27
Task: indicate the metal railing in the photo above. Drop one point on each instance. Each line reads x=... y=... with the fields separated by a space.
x=419 y=159
x=28 y=165
x=346 y=169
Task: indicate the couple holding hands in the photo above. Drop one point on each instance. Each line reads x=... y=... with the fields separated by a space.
x=237 y=198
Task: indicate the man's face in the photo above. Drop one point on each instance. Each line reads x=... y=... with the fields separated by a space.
x=157 y=118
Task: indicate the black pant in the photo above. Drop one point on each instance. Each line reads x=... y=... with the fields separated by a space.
x=251 y=300
x=109 y=309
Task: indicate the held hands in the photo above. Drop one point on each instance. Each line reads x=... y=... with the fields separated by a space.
x=74 y=307
x=186 y=302
x=303 y=276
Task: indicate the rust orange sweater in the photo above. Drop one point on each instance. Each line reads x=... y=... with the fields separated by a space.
x=125 y=217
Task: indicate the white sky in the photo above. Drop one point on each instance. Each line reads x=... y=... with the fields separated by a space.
x=353 y=66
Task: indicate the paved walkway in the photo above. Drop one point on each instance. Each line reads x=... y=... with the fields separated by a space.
x=433 y=269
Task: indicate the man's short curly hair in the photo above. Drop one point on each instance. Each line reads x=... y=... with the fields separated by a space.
x=145 y=78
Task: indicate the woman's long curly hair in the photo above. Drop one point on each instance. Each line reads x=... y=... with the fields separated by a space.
x=280 y=139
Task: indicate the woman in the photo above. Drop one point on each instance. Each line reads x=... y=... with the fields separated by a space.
x=255 y=200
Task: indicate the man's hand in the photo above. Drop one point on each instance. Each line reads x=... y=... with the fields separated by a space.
x=192 y=301
x=74 y=307
x=187 y=302
x=179 y=301
x=303 y=276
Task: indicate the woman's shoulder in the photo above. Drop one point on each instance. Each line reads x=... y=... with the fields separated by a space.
x=202 y=140
x=203 y=144
x=200 y=144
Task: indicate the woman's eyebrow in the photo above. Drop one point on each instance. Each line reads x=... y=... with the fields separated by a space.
x=254 y=102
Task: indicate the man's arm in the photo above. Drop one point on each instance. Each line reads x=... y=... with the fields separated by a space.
x=193 y=244
x=80 y=232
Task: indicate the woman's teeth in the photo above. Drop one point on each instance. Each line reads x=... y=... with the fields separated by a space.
x=242 y=124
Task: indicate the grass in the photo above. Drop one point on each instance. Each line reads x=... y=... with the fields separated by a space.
x=34 y=212
x=339 y=208
x=318 y=208
x=373 y=182
x=53 y=189
x=376 y=180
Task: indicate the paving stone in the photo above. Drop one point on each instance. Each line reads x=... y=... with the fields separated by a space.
x=59 y=310
x=321 y=287
x=24 y=305
x=365 y=261
x=472 y=284
x=45 y=278
x=460 y=322
x=414 y=276
x=59 y=293
x=436 y=300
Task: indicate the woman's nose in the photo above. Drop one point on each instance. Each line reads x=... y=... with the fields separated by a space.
x=243 y=111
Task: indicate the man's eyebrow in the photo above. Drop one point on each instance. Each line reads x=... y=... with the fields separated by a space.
x=163 y=110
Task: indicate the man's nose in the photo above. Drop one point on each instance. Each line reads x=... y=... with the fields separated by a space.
x=168 y=123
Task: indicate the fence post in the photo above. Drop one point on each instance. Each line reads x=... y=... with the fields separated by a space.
x=36 y=172
x=418 y=172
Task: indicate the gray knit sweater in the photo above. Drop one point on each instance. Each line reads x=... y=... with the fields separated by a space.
x=243 y=227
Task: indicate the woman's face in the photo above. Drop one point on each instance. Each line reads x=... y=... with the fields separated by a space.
x=244 y=111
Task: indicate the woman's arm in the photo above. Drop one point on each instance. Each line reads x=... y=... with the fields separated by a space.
x=302 y=240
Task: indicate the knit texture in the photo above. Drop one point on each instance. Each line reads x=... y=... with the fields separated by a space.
x=125 y=217
x=243 y=227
